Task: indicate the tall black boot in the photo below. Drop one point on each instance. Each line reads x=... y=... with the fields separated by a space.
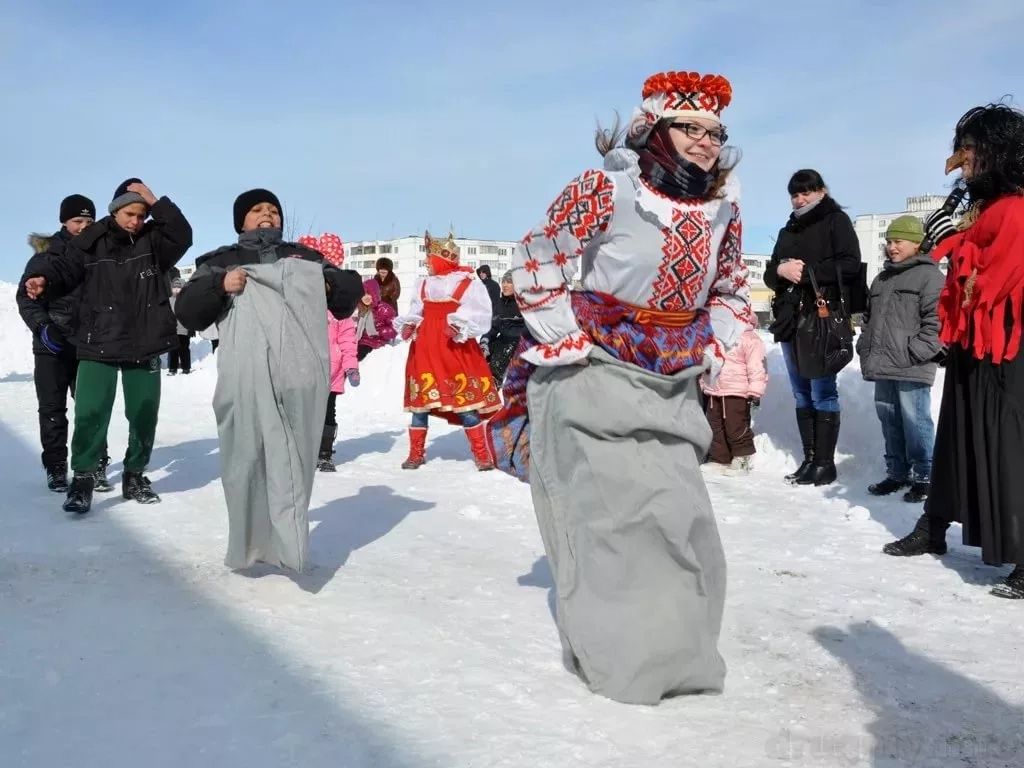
x=325 y=460
x=805 y=423
x=826 y=433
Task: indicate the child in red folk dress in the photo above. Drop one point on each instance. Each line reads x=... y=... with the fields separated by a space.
x=341 y=337
x=446 y=373
x=740 y=387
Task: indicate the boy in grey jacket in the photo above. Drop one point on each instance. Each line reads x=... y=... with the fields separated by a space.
x=899 y=347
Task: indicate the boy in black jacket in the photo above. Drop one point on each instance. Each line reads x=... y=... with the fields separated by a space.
x=259 y=222
x=56 y=364
x=125 y=324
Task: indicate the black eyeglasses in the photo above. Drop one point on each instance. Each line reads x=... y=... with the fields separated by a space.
x=698 y=132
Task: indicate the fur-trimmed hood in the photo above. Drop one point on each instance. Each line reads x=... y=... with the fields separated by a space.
x=38 y=242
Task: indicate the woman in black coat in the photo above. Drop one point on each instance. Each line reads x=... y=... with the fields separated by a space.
x=819 y=238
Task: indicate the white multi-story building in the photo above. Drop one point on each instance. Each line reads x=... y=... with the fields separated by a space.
x=870 y=228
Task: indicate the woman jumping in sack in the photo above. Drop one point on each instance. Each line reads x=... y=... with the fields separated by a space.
x=819 y=238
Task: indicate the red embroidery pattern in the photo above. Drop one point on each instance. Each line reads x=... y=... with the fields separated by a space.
x=731 y=279
x=579 y=214
x=687 y=251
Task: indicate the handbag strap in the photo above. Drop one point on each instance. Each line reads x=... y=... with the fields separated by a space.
x=819 y=297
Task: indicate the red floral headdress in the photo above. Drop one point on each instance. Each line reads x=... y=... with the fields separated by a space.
x=679 y=95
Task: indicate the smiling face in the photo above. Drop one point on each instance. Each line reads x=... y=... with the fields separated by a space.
x=900 y=250
x=800 y=199
x=260 y=216
x=699 y=140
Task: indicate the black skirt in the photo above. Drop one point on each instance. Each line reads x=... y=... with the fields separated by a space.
x=978 y=465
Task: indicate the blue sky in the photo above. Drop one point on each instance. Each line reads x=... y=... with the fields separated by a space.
x=381 y=119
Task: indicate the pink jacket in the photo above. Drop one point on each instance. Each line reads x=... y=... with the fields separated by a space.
x=745 y=372
x=383 y=315
x=341 y=337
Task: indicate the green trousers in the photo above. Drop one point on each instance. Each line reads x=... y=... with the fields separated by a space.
x=95 y=390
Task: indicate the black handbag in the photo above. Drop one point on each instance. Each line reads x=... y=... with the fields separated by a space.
x=823 y=344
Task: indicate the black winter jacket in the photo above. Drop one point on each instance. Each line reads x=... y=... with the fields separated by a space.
x=825 y=240
x=202 y=301
x=508 y=325
x=59 y=313
x=124 y=313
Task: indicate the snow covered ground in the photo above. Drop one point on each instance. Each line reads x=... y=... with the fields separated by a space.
x=423 y=635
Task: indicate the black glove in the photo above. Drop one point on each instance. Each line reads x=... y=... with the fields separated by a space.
x=940 y=357
x=938 y=227
x=52 y=339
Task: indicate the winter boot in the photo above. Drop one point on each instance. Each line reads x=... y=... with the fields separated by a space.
x=417 y=448
x=478 y=444
x=918 y=493
x=927 y=538
x=1013 y=587
x=136 y=487
x=826 y=433
x=887 y=486
x=805 y=423
x=57 y=477
x=325 y=460
x=100 y=482
x=79 y=498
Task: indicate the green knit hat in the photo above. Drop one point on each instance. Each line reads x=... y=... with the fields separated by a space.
x=906 y=228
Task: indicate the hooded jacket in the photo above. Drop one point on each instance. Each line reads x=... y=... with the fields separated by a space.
x=900 y=337
x=60 y=313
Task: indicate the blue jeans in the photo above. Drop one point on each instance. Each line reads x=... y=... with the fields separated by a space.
x=821 y=394
x=468 y=419
x=905 y=410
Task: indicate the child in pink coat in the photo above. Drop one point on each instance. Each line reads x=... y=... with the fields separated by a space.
x=740 y=387
x=341 y=337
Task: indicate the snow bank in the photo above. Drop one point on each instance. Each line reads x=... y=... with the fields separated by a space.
x=860 y=452
x=15 y=338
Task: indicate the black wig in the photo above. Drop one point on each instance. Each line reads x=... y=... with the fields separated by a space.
x=996 y=132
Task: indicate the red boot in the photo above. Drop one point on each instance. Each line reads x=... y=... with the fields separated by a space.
x=478 y=444
x=417 y=448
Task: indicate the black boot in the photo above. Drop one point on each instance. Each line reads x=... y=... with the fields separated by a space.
x=826 y=432
x=927 y=538
x=57 y=477
x=918 y=492
x=79 y=499
x=136 y=487
x=805 y=423
x=887 y=486
x=325 y=460
x=1013 y=587
x=101 y=484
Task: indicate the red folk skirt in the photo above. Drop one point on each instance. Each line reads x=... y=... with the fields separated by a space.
x=445 y=378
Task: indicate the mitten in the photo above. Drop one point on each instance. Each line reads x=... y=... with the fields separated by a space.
x=451 y=332
x=755 y=402
x=352 y=374
x=52 y=339
x=407 y=331
x=938 y=227
x=485 y=347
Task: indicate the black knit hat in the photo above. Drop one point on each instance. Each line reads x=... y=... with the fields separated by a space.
x=73 y=206
x=123 y=197
x=246 y=201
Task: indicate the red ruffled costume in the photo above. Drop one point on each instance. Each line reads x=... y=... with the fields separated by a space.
x=446 y=373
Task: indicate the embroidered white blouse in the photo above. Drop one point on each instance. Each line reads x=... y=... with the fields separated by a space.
x=619 y=236
x=473 y=316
